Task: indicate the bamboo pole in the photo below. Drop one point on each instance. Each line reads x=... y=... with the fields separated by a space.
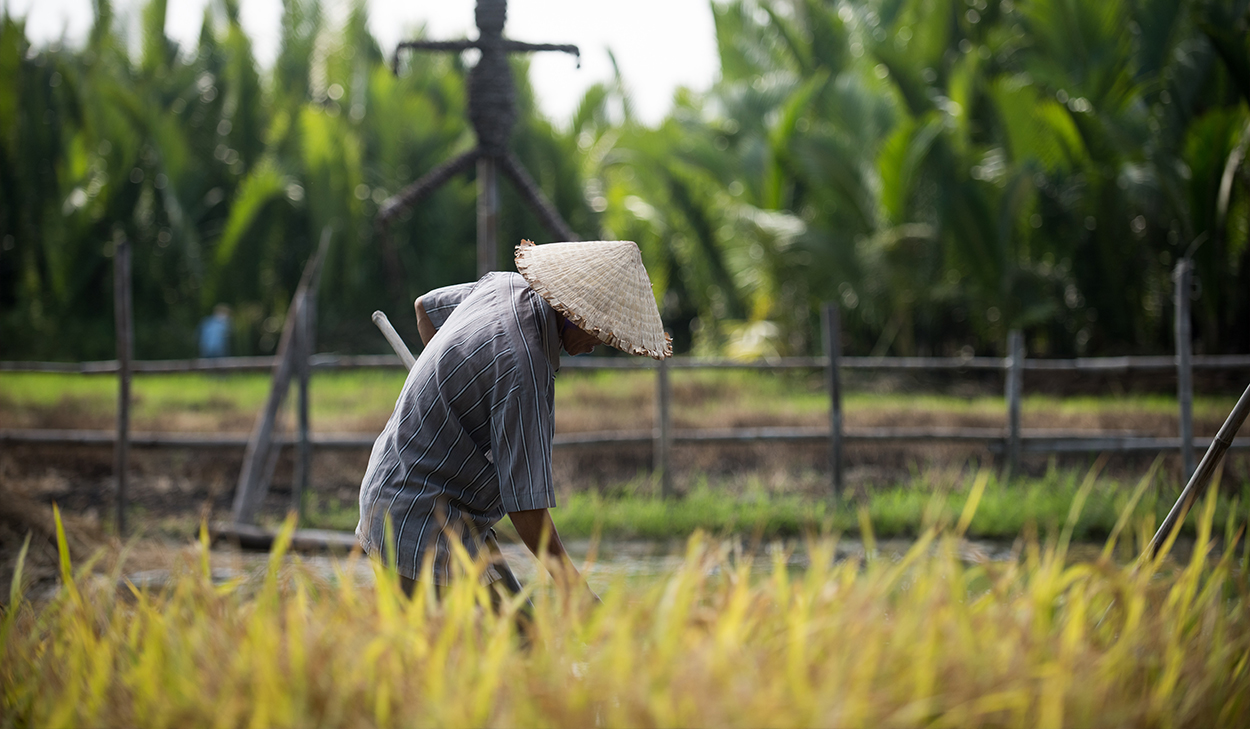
x=663 y=429
x=832 y=324
x=1202 y=475
x=124 y=317
x=393 y=339
x=1014 y=386
x=487 y=215
x=1184 y=365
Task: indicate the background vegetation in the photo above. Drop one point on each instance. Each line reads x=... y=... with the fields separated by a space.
x=945 y=169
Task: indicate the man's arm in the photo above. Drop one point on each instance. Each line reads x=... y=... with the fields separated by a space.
x=531 y=526
x=434 y=306
x=425 y=327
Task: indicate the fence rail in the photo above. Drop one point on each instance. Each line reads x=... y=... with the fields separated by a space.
x=1084 y=365
x=1010 y=441
x=994 y=439
x=999 y=441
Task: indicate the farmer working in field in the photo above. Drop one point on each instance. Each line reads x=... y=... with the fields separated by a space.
x=470 y=437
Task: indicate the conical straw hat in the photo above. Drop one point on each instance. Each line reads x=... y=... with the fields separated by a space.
x=602 y=287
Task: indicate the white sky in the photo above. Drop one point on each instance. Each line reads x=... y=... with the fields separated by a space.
x=659 y=44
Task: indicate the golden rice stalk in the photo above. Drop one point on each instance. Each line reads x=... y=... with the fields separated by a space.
x=927 y=640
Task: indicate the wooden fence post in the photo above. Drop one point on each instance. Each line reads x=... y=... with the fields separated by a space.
x=487 y=215
x=831 y=322
x=124 y=319
x=663 y=429
x=1015 y=381
x=1183 y=277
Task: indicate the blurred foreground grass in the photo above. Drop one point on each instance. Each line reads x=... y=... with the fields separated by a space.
x=928 y=640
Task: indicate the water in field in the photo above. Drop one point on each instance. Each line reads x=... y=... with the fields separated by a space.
x=638 y=560
x=641 y=559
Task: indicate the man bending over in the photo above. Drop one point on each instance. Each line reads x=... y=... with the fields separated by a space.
x=470 y=437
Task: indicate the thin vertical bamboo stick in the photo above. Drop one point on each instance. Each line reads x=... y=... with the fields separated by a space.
x=487 y=215
x=1184 y=363
x=663 y=428
x=124 y=318
x=1015 y=385
x=831 y=322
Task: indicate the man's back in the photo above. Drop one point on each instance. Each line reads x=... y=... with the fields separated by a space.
x=470 y=437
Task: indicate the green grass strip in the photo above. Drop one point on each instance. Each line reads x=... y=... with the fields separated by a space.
x=1006 y=511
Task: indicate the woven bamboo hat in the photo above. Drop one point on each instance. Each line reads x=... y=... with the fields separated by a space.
x=602 y=287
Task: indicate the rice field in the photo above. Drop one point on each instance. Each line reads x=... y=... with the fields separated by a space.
x=927 y=639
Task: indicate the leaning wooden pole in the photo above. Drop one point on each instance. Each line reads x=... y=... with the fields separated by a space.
x=254 y=476
x=1202 y=476
x=124 y=317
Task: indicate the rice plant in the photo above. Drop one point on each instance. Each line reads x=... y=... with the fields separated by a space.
x=928 y=639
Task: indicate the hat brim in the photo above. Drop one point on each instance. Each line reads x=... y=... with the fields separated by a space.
x=602 y=288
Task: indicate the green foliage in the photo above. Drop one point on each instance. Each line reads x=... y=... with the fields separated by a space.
x=945 y=170
x=224 y=182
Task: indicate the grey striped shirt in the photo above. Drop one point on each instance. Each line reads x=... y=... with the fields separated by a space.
x=470 y=438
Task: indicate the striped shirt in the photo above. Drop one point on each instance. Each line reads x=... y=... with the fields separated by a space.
x=470 y=437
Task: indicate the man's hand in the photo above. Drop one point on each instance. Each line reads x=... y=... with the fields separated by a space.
x=534 y=526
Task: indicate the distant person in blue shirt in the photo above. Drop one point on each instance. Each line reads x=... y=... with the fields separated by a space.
x=215 y=333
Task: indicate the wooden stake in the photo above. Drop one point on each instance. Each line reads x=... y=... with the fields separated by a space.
x=1014 y=386
x=1184 y=365
x=831 y=323
x=487 y=215
x=663 y=429
x=124 y=318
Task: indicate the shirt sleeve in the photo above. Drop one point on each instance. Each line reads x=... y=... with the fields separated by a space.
x=440 y=303
x=521 y=431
